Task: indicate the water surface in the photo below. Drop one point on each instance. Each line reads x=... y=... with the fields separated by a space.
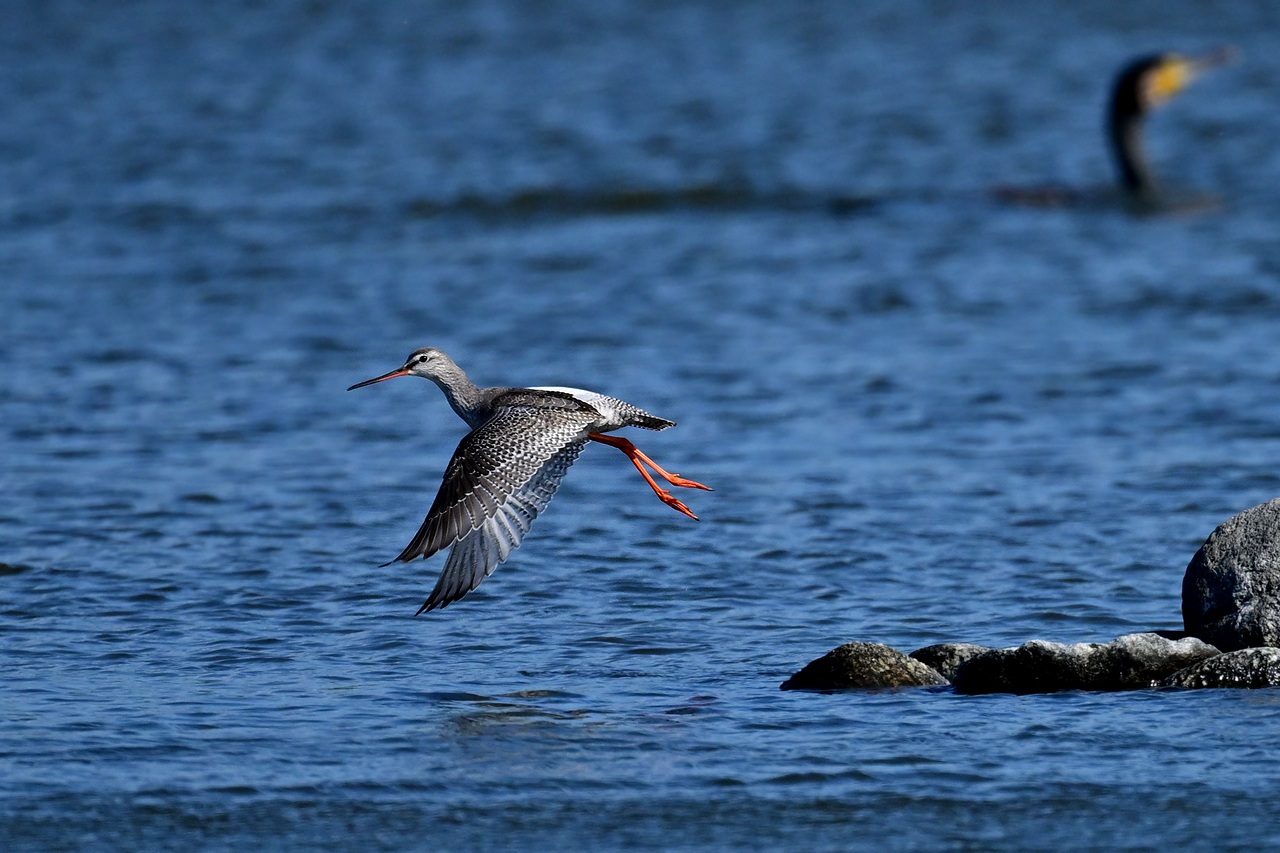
x=927 y=418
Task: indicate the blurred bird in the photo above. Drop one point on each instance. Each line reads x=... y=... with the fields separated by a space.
x=506 y=470
x=1142 y=86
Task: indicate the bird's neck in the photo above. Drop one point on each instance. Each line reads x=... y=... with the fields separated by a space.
x=463 y=395
x=1131 y=159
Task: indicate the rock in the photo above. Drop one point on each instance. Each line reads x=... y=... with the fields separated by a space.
x=855 y=665
x=1231 y=589
x=1243 y=668
x=1130 y=662
x=945 y=658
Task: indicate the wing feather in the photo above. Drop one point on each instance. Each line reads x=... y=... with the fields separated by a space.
x=503 y=474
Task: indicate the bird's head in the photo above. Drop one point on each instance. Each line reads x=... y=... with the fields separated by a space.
x=428 y=362
x=1152 y=81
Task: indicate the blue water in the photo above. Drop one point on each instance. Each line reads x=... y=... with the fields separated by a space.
x=927 y=417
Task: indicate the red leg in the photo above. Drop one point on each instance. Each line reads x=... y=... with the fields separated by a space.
x=639 y=460
x=635 y=453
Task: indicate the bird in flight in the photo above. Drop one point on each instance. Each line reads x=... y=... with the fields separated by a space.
x=506 y=470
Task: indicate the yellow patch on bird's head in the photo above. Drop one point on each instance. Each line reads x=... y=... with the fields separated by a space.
x=1167 y=79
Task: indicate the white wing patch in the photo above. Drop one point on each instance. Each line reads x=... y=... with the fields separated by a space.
x=588 y=397
x=607 y=406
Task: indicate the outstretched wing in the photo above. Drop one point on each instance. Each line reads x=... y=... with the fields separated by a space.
x=501 y=476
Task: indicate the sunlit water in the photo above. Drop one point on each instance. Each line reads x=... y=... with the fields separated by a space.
x=927 y=418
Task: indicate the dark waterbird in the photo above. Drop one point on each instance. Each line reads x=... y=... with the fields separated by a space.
x=1140 y=87
x=506 y=470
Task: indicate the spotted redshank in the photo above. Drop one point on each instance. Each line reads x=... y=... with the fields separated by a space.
x=506 y=470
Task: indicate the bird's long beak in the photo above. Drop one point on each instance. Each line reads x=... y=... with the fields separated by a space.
x=1224 y=55
x=402 y=371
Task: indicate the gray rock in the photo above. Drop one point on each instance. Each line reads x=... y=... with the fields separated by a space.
x=862 y=665
x=1130 y=662
x=1231 y=589
x=1243 y=668
x=945 y=658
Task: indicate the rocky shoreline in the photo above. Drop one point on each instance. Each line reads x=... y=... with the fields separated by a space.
x=1231 y=614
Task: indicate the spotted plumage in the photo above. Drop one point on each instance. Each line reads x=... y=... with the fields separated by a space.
x=506 y=470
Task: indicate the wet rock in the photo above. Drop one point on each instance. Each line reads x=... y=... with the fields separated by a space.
x=1130 y=662
x=1243 y=668
x=856 y=665
x=1231 y=589
x=945 y=658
